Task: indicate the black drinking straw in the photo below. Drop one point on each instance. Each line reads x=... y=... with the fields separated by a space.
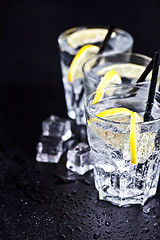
x=142 y=77
x=106 y=39
x=151 y=95
x=104 y=43
x=146 y=72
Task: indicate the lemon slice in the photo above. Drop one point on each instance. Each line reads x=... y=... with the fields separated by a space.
x=109 y=79
x=129 y=70
x=75 y=69
x=135 y=117
x=85 y=36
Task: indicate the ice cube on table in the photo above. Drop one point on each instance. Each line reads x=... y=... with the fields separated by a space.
x=57 y=127
x=56 y=132
x=49 y=149
x=78 y=159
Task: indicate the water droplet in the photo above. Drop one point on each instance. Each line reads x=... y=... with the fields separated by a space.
x=107 y=223
x=74 y=192
x=134 y=234
x=120 y=222
x=70 y=228
x=62 y=236
x=79 y=229
x=146 y=221
x=146 y=230
x=156 y=225
x=96 y=235
x=158 y=203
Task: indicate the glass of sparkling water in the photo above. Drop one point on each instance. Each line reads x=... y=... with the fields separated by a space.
x=116 y=178
x=129 y=66
x=69 y=43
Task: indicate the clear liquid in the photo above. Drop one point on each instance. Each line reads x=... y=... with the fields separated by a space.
x=116 y=179
x=75 y=108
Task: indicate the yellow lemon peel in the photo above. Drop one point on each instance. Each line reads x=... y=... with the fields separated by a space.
x=135 y=117
x=75 y=69
x=85 y=36
x=109 y=79
x=129 y=70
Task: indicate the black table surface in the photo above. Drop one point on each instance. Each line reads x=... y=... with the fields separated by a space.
x=34 y=203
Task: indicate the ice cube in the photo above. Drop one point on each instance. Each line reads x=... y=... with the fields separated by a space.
x=78 y=159
x=49 y=149
x=55 y=126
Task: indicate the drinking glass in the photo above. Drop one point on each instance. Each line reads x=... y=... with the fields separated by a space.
x=69 y=45
x=129 y=66
x=116 y=178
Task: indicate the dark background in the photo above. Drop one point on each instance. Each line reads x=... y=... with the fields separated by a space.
x=33 y=205
x=30 y=76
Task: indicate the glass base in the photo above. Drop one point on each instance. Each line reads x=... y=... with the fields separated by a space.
x=126 y=201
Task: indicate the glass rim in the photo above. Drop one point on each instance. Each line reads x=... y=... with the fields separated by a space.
x=67 y=31
x=105 y=54
x=87 y=109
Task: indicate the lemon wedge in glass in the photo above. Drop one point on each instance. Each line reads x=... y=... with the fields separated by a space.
x=129 y=70
x=75 y=69
x=119 y=115
x=85 y=36
x=110 y=78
